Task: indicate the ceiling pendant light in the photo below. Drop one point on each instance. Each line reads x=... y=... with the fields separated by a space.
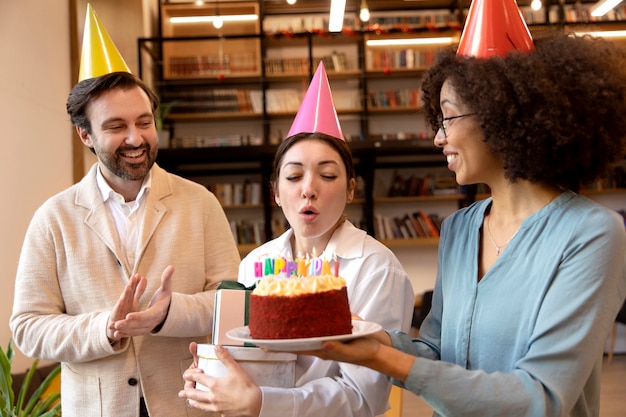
x=217 y=21
x=364 y=13
x=603 y=7
x=291 y=2
x=337 y=10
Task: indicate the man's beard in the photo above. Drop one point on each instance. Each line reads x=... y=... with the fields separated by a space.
x=124 y=170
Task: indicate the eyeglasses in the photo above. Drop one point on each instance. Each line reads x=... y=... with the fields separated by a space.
x=444 y=123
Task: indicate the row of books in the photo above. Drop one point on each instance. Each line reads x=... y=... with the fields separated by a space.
x=304 y=23
x=572 y=13
x=405 y=97
x=409 y=226
x=578 y=13
x=233 y=100
x=337 y=61
x=248 y=232
x=215 y=141
x=237 y=194
x=398 y=59
x=429 y=18
x=211 y=65
x=277 y=100
x=298 y=65
x=205 y=100
x=422 y=138
x=413 y=185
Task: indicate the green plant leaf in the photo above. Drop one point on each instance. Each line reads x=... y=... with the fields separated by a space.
x=25 y=384
x=37 y=395
x=37 y=405
x=6 y=381
x=161 y=114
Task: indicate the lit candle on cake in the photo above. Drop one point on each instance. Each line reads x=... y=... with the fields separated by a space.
x=258 y=269
x=269 y=266
x=279 y=265
x=325 y=266
x=301 y=266
x=290 y=268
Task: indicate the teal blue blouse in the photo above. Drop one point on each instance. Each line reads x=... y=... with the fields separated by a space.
x=528 y=339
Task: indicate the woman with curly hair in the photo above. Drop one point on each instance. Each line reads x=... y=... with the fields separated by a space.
x=530 y=280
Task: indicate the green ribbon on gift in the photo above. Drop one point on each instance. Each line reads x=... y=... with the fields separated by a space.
x=234 y=285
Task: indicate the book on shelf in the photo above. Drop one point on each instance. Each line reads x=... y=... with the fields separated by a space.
x=212 y=65
x=431 y=226
x=237 y=194
x=233 y=230
x=403 y=232
x=335 y=62
x=249 y=232
x=255 y=193
x=422 y=186
x=340 y=61
x=408 y=226
x=381 y=59
x=405 y=97
x=305 y=23
x=215 y=141
x=419 y=229
x=223 y=192
x=299 y=65
x=283 y=100
x=412 y=19
x=203 y=100
x=387 y=228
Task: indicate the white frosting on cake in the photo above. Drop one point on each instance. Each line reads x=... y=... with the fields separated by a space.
x=298 y=285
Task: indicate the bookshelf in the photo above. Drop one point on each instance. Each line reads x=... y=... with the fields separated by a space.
x=236 y=90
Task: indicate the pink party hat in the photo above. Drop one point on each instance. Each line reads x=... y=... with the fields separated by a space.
x=317 y=112
x=99 y=55
x=494 y=27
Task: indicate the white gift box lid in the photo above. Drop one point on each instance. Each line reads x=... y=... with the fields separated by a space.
x=270 y=369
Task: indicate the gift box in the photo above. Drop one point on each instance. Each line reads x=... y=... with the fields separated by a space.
x=270 y=369
x=231 y=311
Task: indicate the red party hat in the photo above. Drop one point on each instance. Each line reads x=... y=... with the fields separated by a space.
x=317 y=112
x=494 y=27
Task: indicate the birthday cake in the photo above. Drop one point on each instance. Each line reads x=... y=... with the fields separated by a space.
x=299 y=306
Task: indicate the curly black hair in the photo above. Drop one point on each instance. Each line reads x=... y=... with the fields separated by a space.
x=556 y=115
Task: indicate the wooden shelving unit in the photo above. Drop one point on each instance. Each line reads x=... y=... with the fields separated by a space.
x=252 y=60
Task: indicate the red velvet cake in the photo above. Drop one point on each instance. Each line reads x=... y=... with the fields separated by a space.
x=294 y=308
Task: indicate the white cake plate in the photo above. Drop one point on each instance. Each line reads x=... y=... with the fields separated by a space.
x=360 y=328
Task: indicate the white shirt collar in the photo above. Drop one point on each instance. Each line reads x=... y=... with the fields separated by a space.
x=107 y=192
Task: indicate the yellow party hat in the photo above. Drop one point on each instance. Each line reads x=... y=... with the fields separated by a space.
x=99 y=55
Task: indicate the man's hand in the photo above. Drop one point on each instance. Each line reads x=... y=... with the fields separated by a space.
x=126 y=319
x=128 y=302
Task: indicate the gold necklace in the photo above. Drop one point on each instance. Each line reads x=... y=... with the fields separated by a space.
x=500 y=247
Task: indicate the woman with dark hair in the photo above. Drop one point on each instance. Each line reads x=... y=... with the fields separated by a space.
x=313 y=180
x=530 y=280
